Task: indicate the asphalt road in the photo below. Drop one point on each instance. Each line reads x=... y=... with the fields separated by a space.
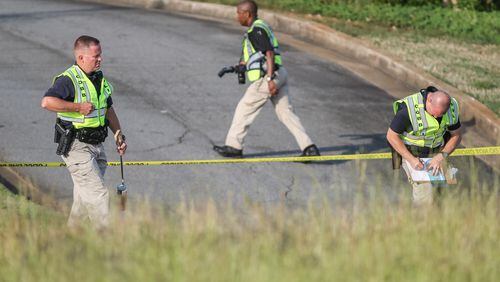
x=172 y=105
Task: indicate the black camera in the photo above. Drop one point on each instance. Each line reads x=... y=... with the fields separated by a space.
x=238 y=69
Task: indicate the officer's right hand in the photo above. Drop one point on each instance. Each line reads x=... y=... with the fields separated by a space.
x=85 y=108
x=417 y=164
x=272 y=88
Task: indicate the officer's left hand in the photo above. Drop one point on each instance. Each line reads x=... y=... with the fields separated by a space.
x=436 y=164
x=121 y=148
x=272 y=88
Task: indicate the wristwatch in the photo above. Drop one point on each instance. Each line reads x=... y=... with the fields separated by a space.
x=270 y=78
x=445 y=155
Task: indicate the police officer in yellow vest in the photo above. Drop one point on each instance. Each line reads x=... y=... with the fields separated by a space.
x=268 y=77
x=81 y=97
x=426 y=124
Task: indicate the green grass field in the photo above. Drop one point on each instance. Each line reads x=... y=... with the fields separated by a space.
x=459 y=46
x=366 y=239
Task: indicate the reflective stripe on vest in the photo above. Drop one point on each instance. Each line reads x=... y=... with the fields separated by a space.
x=85 y=92
x=255 y=60
x=426 y=131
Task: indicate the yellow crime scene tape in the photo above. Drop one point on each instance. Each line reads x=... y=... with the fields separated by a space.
x=480 y=151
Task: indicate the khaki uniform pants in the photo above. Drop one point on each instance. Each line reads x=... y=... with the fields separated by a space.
x=252 y=102
x=87 y=165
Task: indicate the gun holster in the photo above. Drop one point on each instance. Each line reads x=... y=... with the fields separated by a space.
x=396 y=159
x=64 y=137
x=240 y=70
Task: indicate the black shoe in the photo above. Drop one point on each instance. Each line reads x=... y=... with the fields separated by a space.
x=310 y=151
x=228 y=151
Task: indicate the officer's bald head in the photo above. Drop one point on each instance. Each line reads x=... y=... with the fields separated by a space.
x=249 y=6
x=438 y=103
x=440 y=99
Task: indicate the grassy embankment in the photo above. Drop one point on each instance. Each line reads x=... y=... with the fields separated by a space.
x=460 y=46
x=366 y=239
x=370 y=238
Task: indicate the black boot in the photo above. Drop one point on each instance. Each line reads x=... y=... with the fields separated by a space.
x=310 y=151
x=228 y=151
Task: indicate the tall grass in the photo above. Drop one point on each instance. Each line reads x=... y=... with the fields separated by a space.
x=368 y=238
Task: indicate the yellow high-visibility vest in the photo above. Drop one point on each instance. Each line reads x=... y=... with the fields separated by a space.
x=256 y=61
x=426 y=130
x=86 y=92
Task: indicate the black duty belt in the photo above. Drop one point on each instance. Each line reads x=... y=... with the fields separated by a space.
x=423 y=152
x=92 y=135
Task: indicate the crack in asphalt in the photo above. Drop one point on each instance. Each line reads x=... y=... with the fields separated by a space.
x=151 y=101
x=164 y=109
x=181 y=138
x=289 y=187
x=179 y=141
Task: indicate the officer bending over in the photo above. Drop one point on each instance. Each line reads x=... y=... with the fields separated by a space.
x=426 y=124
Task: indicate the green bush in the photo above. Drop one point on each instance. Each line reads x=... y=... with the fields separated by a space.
x=428 y=17
x=472 y=25
x=480 y=5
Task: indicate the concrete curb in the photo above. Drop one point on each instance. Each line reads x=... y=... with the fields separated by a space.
x=472 y=111
x=19 y=183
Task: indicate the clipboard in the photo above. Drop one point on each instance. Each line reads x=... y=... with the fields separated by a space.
x=424 y=176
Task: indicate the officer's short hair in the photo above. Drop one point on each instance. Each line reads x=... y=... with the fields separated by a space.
x=431 y=89
x=85 y=41
x=252 y=6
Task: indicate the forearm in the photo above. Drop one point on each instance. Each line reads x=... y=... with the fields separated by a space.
x=454 y=141
x=59 y=105
x=114 y=123
x=398 y=145
x=270 y=63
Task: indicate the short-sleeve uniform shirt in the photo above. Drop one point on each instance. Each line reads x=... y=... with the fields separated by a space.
x=64 y=89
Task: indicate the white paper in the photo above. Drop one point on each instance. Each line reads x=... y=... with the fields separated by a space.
x=424 y=175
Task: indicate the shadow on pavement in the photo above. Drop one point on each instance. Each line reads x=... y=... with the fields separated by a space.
x=377 y=142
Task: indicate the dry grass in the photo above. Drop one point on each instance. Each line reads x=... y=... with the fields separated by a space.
x=472 y=68
x=366 y=239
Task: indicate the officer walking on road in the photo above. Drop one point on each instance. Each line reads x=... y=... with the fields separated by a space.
x=81 y=97
x=268 y=77
x=426 y=124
